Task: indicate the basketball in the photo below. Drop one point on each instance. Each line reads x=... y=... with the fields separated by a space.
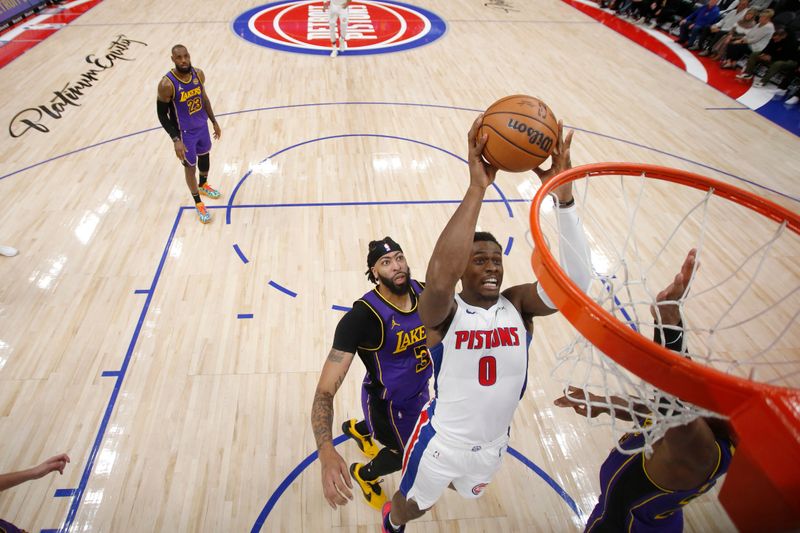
x=522 y=133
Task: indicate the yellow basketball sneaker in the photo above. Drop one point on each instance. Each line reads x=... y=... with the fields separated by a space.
x=209 y=191
x=373 y=494
x=365 y=443
x=202 y=213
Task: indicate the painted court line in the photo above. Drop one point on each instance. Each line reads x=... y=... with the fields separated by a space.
x=408 y=104
x=282 y=289
x=240 y=254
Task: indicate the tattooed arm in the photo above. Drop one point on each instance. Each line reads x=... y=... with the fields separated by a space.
x=335 y=477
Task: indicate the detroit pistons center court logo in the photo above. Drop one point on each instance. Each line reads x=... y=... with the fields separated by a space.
x=374 y=27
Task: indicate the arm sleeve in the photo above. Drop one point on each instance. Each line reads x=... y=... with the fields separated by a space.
x=358 y=327
x=167 y=119
x=673 y=338
x=574 y=250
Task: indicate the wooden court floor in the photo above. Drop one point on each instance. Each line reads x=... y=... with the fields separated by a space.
x=176 y=362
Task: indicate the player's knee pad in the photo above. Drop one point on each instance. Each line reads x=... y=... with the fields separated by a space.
x=203 y=163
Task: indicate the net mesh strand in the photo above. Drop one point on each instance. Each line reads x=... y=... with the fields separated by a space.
x=722 y=315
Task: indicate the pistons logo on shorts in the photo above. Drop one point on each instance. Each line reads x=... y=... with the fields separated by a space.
x=477 y=489
x=374 y=27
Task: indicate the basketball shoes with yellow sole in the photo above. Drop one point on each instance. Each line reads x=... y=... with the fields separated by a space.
x=364 y=442
x=372 y=491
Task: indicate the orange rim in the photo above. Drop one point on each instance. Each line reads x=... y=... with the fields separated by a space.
x=691 y=381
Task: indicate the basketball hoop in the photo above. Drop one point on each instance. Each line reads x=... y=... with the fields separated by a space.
x=762 y=489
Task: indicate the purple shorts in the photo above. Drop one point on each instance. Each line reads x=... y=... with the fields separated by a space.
x=197 y=142
x=8 y=527
x=389 y=423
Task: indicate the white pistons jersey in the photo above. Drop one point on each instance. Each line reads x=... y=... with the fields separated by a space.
x=480 y=371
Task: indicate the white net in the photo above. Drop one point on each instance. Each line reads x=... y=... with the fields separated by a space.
x=739 y=315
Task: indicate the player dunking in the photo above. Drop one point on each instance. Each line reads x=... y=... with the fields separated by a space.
x=478 y=342
x=337 y=11
x=183 y=110
x=384 y=328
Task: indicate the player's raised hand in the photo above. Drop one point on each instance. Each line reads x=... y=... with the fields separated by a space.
x=561 y=159
x=336 y=483
x=668 y=312
x=579 y=400
x=481 y=173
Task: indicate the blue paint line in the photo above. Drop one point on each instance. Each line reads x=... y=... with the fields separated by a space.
x=503 y=199
x=340 y=308
x=244 y=315
x=240 y=112
x=305 y=463
x=550 y=481
x=618 y=303
x=81 y=488
x=407 y=104
x=77 y=150
x=110 y=373
x=282 y=289
x=240 y=254
x=64 y=493
x=141 y=291
x=247 y=174
x=262 y=516
x=361 y=203
x=727 y=109
x=509 y=245
x=785 y=116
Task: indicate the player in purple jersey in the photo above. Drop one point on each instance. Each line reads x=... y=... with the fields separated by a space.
x=384 y=329
x=646 y=495
x=183 y=110
x=12 y=479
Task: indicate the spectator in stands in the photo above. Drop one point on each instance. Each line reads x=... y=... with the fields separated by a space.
x=709 y=37
x=755 y=40
x=702 y=17
x=780 y=54
x=747 y=23
x=669 y=12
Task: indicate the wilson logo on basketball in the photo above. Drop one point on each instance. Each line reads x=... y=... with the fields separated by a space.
x=535 y=137
x=374 y=27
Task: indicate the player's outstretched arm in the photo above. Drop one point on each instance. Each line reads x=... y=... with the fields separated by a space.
x=530 y=298
x=335 y=477
x=592 y=405
x=666 y=312
x=452 y=251
x=12 y=479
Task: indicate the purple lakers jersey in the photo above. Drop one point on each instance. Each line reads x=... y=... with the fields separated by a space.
x=400 y=366
x=631 y=502
x=188 y=102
